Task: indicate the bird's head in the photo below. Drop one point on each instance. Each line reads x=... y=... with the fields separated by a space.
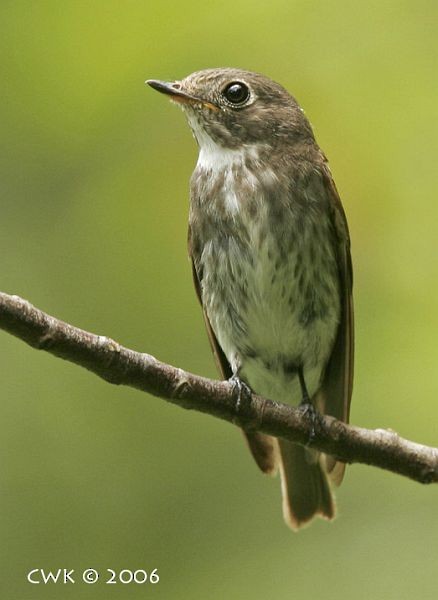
x=232 y=107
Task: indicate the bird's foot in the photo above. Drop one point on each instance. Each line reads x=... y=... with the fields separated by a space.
x=242 y=391
x=307 y=408
x=310 y=412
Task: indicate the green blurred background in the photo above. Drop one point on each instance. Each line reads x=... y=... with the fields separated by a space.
x=93 y=203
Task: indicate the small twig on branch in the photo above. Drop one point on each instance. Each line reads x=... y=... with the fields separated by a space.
x=119 y=365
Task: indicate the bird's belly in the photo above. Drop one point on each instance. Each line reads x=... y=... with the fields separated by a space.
x=272 y=313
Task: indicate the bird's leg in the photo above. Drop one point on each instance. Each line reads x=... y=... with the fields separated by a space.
x=307 y=407
x=241 y=389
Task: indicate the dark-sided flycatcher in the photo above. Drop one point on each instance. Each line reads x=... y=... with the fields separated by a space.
x=270 y=249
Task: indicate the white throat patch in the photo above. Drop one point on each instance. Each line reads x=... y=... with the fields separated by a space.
x=217 y=160
x=214 y=156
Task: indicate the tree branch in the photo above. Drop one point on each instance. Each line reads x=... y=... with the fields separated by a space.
x=122 y=366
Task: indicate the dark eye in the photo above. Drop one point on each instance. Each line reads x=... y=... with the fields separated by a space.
x=236 y=92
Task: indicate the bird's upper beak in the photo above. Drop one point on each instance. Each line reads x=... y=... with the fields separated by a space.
x=175 y=91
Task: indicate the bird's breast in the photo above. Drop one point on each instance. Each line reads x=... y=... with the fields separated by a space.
x=268 y=274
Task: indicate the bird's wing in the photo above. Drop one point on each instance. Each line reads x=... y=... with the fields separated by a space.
x=262 y=447
x=221 y=361
x=334 y=396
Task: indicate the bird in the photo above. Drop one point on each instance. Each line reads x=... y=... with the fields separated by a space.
x=270 y=251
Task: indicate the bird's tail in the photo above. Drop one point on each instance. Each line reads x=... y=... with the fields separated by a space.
x=305 y=488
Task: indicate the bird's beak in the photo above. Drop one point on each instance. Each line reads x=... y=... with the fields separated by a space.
x=174 y=90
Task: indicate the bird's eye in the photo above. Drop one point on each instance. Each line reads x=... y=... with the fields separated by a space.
x=236 y=93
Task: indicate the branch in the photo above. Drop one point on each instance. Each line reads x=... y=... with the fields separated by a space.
x=122 y=366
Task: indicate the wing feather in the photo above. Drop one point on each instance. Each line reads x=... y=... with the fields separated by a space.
x=334 y=396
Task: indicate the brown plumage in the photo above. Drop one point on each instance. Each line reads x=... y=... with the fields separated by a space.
x=271 y=261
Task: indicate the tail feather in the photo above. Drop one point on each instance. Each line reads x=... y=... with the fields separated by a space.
x=264 y=451
x=335 y=469
x=305 y=488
